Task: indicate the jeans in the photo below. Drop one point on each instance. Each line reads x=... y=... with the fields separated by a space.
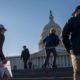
x=75 y=59
x=48 y=51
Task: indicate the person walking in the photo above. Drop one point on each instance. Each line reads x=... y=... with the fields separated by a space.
x=2 y=39
x=5 y=67
x=25 y=56
x=50 y=42
x=71 y=41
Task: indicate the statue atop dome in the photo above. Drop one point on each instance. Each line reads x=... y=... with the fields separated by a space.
x=51 y=16
x=50 y=13
x=46 y=29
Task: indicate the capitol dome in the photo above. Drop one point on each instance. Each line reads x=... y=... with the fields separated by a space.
x=46 y=30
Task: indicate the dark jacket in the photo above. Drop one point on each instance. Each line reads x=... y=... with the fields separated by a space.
x=2 y=38
x=71 y=35
x=51 y=41
x=25 y=54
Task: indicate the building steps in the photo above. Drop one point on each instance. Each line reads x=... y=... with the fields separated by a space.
x=43 y=74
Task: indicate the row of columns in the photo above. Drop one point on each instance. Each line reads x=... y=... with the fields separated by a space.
x=38 y=61
x=62 y=61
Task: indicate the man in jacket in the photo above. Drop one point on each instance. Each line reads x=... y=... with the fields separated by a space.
x=71 y=41
x=25 y=56
x=50 y=42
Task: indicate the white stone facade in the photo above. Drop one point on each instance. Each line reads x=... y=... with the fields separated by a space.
x=38 y=59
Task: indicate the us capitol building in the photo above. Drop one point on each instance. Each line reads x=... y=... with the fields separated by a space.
x=38 y=58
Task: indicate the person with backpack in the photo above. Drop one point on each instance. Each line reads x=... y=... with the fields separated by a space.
x=50 y=42
x=71 y=41
x=25 y=55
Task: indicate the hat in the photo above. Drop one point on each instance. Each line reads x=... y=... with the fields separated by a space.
x=2 y=27
x=24 y=46
x=78 y=7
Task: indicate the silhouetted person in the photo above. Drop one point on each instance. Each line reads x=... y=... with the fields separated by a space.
x=50 y=42
x=25 y=56
x=2 y=38
x=4 y=63
x=71 y=40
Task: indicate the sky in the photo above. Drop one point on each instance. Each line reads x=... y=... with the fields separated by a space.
x=25 y=20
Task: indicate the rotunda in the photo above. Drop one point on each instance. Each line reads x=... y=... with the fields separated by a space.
x=46 y=29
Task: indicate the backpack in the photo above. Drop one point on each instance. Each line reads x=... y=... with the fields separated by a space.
x=56 y=41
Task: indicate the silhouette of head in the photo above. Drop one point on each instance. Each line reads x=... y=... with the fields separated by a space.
x=24 y=47
x=76 y=10
x=2 y=28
